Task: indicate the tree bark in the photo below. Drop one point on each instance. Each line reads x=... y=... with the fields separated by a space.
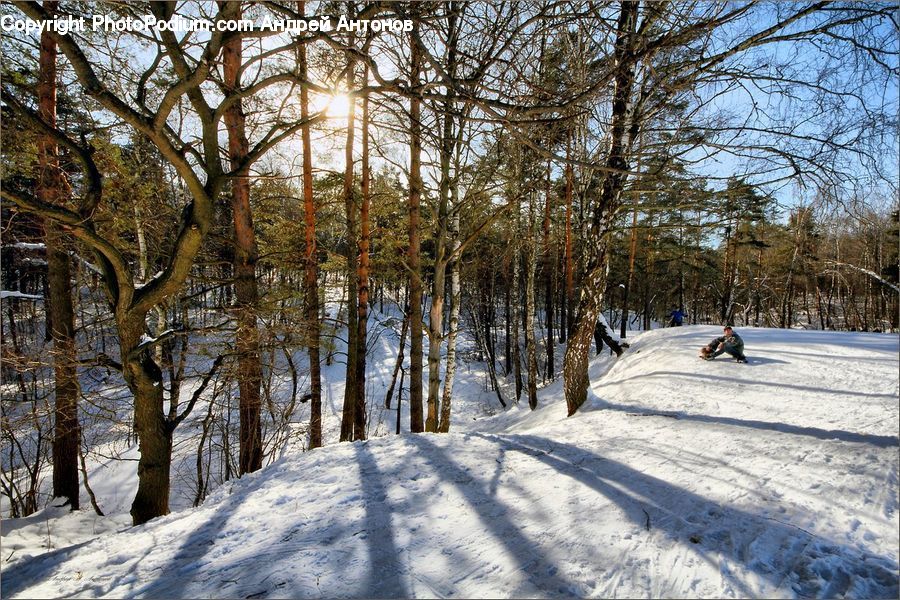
x=727 y=280
x=436 y=314
x=51 y=188
x=399 y=364
x=530 y=268
x=480 y=341
x=569 y=304
x=359 y=420
x=415 y=281
x=576 y=362
x=631 y=254
x=154 y=431
x=245 y=257
x=348 y=415
x=549 y=260
x=575 y=370
x=507 y=348
x=311 y=265
x=516 y=319
x=452 y=334
x=67 y=430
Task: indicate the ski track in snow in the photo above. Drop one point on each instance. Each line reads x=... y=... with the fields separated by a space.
x=679 y=477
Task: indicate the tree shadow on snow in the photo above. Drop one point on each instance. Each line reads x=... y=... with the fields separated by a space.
x=540 y=570
x=384 y=578
x=200 y=541
x=790 y=559
x=63 y=564
x=27 y=571
x=754 y=382
x=855 y=359
x=879 y=441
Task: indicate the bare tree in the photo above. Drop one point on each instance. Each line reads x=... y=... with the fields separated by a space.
x=194 y=154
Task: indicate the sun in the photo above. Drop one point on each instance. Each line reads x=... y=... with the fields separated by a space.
x=338 y=106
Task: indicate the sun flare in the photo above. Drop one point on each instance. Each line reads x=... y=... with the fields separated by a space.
x=338 y=106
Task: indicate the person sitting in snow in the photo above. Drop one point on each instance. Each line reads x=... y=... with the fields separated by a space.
x=730 y=343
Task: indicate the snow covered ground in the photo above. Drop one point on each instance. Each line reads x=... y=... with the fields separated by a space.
x=678 y=478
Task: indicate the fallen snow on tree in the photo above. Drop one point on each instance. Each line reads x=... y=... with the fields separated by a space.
x=679 y=477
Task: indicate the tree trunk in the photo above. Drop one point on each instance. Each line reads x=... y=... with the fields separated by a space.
x=435 y=325
x=575 y=370
x=399 y=364
x=415 y=282
x=144 y=379
x=448 y=188
x=548 y=278
x=727 y=279
x=348 y=416
x=530 y=267
x=311 y=266
x=245 y=257
x=67 y=431
x=359 y=421
x=479 y=340
x=569 y=310
x=576 y=361
x=435 y=319
x=51 y=188
x=631 y=255
x=647 y=316
x=516 y=320
x=455 y=299
x=507 y=347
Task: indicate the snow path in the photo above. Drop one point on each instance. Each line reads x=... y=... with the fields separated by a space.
x=678 y=478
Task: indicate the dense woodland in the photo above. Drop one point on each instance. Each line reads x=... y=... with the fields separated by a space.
x=191 y=218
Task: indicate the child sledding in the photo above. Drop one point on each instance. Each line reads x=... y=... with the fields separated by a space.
x=730 y=343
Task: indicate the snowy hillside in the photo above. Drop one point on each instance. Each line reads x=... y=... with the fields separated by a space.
x=678 y=478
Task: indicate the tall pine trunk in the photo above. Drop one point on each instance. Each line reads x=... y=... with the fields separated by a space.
x=51 y=188
x=530 y=268
x=359 y=417
x=348 y=416
x=548 y=278
x=245 y=257
x=516 y=309
x=311 y=266
x=416 y=416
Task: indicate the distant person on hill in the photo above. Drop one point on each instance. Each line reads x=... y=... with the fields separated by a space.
x=676 y=317
x=730 y=343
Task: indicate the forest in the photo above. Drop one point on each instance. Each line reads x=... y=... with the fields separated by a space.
x=210 y=207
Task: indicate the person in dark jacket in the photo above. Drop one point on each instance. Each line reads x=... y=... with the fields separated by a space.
x=730 y=343
x=676 y=317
